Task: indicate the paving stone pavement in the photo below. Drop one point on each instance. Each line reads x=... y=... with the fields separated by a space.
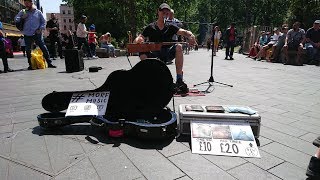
x=287 y=98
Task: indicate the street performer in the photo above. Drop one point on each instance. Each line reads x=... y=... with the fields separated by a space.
x=159 y=31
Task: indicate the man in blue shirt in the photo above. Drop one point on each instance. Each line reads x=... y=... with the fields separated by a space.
x=34 y=24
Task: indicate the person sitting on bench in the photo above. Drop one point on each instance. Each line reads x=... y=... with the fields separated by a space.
x=159 y=31
x=294 y=41
x=106 y=43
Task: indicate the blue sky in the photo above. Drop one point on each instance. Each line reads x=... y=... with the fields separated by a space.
x=50 y=6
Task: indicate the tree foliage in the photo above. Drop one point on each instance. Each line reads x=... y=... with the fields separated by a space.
x=118 y=17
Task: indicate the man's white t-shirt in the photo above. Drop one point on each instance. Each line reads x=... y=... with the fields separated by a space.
x=81 y=31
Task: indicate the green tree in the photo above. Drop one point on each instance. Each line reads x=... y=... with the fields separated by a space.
x=118 y=17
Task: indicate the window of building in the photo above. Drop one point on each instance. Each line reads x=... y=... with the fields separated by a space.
x=64 y=20
x=69 y=20
x=70 y=28
x=65 y=27
x=63 y=12
x=69 y=12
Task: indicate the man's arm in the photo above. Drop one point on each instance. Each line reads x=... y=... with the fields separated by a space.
x=18 y=16
x=42 y=23
x=286 y=40
x=303 y=40
x=187 y=34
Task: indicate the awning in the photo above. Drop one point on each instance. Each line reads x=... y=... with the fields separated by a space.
x=11 y=30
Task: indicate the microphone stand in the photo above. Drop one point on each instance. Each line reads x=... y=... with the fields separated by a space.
x=211 y=79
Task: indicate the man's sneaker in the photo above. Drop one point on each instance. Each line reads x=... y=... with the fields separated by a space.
x=8 y=70
x=95 y=57
x=231 y=58
x=180 y=87
x=226 y=58
x=316 y=142
x=51 y=66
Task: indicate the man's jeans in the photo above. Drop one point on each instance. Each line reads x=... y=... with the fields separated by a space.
x=38 y=39
x=110 y=47
x=230 y=48
x=312 y=52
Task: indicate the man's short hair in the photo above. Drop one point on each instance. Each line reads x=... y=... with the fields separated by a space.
x=297 y=23
x=83 y=17
x=29 y=1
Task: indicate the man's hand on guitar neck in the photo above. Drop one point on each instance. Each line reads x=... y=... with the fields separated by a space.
x=192 y=40
x=139 y=40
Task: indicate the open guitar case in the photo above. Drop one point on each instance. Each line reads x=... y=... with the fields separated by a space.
x=136 y=106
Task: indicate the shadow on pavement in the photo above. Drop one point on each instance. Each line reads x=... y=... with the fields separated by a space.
x=18 y=70
x=100 y=134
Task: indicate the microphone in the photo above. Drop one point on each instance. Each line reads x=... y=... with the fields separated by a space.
x=165 y=18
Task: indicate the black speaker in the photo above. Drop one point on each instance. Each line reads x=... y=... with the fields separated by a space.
x=73 y=60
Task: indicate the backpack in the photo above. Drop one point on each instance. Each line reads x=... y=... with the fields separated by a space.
x=20 y=24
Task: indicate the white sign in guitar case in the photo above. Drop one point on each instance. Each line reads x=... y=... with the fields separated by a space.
x=88 y=103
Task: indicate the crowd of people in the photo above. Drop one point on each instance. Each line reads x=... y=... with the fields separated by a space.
x=33 y=25
x=295 y=40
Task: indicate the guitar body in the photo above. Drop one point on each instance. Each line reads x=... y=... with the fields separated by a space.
x=139 y=93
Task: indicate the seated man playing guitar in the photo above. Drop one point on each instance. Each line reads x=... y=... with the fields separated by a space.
x=160 y=31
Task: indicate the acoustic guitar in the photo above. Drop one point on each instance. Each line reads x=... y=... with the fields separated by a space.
x=148 y=46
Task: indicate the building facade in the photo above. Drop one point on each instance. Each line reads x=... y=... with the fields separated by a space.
x=66 y=20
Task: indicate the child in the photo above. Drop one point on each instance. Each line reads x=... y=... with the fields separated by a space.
x=92 y=40
x=3 y=54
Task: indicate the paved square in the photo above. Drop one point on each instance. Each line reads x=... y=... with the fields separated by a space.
x=287 y=98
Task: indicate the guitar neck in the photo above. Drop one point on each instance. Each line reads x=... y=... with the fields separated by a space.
x=148 y=46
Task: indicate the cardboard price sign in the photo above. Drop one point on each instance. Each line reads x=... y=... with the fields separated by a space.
x=222 y=138
x=89 y=103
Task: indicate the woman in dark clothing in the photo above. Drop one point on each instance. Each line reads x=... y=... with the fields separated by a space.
x=3 y=54
x=69 y=40
x=313 y=171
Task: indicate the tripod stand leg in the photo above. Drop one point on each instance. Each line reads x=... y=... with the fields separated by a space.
x=208 y=89
x=129 y=60
x=200 y=83
x=223 y=83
